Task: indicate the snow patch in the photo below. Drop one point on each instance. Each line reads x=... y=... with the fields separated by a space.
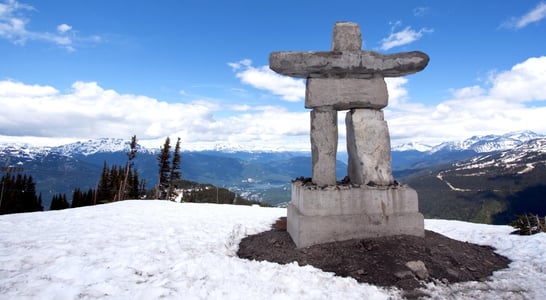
x=146 y=249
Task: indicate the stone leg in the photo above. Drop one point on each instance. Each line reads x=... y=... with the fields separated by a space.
x=368 y=147
x=324 y=145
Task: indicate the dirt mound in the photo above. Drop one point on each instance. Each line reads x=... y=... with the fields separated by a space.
x=401 y=261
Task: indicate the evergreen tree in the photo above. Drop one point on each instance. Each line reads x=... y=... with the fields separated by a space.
x=76 y=198
x=80 y=198
x=175 y=174
x=103 y=192
x=123 y=189
x=175 y=166
x=164 y=158
x=59 y=202
x=19 y=195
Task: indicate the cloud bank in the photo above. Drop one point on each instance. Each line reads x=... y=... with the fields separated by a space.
x=511 y=100
x=91 y=111
x=13 y=27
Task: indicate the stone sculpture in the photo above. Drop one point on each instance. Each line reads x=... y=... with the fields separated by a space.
x=348 y=78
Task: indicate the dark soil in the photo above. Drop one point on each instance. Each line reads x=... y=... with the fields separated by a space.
x=382 y=261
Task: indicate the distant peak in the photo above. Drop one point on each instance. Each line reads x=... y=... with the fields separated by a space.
x=412 y=146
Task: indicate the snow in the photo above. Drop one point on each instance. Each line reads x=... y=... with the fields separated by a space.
x=151 y=249
x=412 y=146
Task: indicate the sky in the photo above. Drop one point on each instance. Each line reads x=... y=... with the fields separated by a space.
x=198 y=70
x=188 y=251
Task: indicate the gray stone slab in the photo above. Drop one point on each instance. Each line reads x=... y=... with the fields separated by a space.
x=346 y=36
x=324 y=135
x=346 y=64
x=368 y=147
x=346 y=93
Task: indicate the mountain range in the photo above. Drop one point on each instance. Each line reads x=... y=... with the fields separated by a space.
x=444 y=175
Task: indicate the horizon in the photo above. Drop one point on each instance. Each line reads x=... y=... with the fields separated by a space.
x=156 y=144
x=200 y=71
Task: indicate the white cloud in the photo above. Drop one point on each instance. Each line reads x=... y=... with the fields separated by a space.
x=90 y=111
x=514 y=101
x=397 y=92
x=64 y=28
x=13 y=27
x=402 y=37
x=289 y=89
x=536 y=14
x=523 y=83
x=511 y=100
x=420 y=11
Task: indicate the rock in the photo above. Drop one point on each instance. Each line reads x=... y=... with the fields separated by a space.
x=368 y=147
x=403 y=274
x=324 y=145
x=360 y=272
x=452 y=272
x=369 y=204
x=418 y=268
x=346 y=64
x=346 y=93
x=346 y=36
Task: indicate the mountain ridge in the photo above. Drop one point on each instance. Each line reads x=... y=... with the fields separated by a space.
x=478 y=144
x=266 y=176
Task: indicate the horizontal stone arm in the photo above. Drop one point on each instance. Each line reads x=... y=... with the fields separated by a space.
x=346 y=64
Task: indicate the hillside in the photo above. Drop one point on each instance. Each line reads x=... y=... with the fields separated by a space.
x=265 y=176
x=161 y=249
x=259 y=176
x=490 y=188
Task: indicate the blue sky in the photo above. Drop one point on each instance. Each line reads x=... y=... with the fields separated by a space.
x=73 y=70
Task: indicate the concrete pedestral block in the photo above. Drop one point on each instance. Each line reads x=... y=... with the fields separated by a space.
x=368 y=147
x=324 y=135
x=314 y=219
x=346 y=93
x=346 y=200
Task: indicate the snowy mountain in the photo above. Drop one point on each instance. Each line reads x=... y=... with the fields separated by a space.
x=489 y=143
x=418 y=156
x=85 y=148
x=491 y=187
x=412 y=146
x=520 y=159
x=261 y=175
x=102 y=145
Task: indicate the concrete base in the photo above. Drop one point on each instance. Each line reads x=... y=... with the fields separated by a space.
x=338 y=213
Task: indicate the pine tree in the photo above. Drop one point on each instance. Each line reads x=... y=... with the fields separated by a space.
x=130 y=155
x=103 y=193
x=175 y=166
x=175 y=174
x=164 y=158
x=19 y=195
x=59 y=202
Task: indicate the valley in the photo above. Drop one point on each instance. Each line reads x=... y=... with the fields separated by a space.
x=487 y=180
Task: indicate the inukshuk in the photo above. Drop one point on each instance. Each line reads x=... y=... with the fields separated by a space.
x=348 y=78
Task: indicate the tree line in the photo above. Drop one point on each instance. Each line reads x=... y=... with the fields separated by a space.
x=18 y=194
x=117 y=183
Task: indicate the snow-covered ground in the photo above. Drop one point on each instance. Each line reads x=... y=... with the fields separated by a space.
x=155 y=249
